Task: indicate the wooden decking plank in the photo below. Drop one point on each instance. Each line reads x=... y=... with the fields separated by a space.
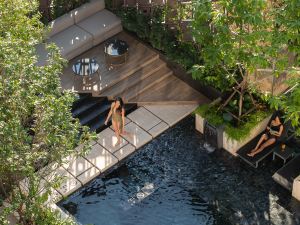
x=111 y=78
x=133 y=79
x=150 y=81
x=174 y=91
x=139 y=56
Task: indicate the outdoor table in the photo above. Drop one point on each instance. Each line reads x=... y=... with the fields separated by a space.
x=85 y=67
x=116 y=52
x=287 y=153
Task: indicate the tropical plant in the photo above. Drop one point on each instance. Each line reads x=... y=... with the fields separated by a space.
x=36 y=125
x=287 y=17
x=241 y=36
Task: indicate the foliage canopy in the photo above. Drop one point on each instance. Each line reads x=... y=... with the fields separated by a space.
x=238 y=37
x=36 y=125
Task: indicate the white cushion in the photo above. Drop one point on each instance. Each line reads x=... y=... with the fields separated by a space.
x=71 y=39
x=61 y=23
x=99 y=24
x=88 y=9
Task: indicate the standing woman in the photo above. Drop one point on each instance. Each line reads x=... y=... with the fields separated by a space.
x=117 y=112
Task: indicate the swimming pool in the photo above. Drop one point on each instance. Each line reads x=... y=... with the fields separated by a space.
x=174 y=181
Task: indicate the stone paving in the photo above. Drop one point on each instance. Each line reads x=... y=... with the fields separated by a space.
x=142 y=126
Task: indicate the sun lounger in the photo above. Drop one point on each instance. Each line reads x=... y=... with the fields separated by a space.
x=254 y=161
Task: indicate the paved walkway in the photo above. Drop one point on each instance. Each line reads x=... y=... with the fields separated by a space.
x=143 y=124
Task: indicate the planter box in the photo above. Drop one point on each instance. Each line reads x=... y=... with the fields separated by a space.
x=199 y=123
x=232 y=145
x=213 y=136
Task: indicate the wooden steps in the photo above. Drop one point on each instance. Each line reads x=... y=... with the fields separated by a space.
x=135 y=78
x=171 y=91
x=156 y=78
x=143 y=79
x=139 y=57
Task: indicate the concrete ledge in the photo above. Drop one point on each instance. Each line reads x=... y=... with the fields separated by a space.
x=296 y=188
x=158 y=129
x=77 y=166
x=69 y=183
x=199 y=123
x=101 y=158
x=171 y=114
x=88 y=175
x=144 y=118
x=138 y=137
x=232 y=145
x=124 y=152
x=108 y=140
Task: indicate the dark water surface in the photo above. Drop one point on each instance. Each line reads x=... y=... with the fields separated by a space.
x=174 y=181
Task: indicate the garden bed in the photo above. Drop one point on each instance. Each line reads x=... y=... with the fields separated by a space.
x=234 y=137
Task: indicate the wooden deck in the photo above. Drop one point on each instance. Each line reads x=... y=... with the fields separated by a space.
x=143 y=79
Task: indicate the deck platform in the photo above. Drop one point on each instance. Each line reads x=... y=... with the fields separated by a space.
x=143 y=79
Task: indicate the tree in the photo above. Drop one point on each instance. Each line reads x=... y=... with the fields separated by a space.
x=287 y=19
x=238 y=37
x=36 y=124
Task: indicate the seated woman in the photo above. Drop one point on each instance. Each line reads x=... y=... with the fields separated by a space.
x=270 y=137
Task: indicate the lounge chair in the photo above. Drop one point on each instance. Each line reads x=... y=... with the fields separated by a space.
x=254 y=161
x=285 y=175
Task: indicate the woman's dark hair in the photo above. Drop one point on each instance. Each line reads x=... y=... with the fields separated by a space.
x=121 y=103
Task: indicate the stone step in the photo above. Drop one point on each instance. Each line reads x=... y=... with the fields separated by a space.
x=85 y=106
x=133 y=79
x=147 y=83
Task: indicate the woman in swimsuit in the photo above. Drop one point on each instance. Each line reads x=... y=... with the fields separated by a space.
x=268 y=138
x=117 y=112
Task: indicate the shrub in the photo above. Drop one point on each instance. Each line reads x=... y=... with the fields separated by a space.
x=240 y=132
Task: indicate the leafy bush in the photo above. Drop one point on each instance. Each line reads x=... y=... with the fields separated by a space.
x=215 y=77
x=211 y=114
x=242 y=131
x=153 y=30
x=57 y=8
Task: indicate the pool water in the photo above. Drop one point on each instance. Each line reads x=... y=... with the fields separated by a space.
x=174 y=181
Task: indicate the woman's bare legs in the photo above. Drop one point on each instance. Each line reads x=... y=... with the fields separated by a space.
x=263 y=146
x=263 y=137
x=117 y=132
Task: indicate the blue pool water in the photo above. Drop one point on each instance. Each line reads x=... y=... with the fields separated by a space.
x=174 y=181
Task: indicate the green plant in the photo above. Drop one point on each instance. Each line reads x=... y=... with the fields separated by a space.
x=153 y=29
x=248 y=35
x=36 y=124
x=210 y=114
x=55 y=8
x=217 y=77
x=241 y=132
